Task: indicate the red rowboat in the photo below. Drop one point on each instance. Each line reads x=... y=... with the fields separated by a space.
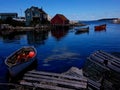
x=100 y=27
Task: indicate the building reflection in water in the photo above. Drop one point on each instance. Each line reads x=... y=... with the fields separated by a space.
x=11 y=38
x=37 y=37
x=59 y=33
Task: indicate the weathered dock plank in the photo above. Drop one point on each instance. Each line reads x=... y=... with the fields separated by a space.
x=59 y=81
x=113 y=67
x=109 y=55
x=58 y=75
x=110 y=61
x=67 y=84
x=93 y=57
x=115 y=59
x=77 y=72
x=39 y=85
x=9 y=84
x=53 y=78
x=94 y=84
x=97 y=63
x=104 y=59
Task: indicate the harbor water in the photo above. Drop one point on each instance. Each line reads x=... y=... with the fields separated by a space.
x=60 y=49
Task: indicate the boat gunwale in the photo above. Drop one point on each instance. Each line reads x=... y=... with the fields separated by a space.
x=12 y=54
x=100 y=27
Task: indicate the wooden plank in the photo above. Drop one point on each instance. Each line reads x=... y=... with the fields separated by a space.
x=73 y=74
x=109 y=61
x=115 y=64
x=107 y=57
x=73 y=71
x=9 y=84
x=112 y=65
x=110 y=55
x=50 y=87
x=58 y=75
x=57 y=79
x=95 y=58
x=94 y=84
x=97 y=63
x=55 y=82
x=114 y=68
x=101 y=55
x=55 y=74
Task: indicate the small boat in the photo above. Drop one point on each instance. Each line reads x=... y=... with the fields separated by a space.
x=82 y=30
x=20 y=60
x=100 y=27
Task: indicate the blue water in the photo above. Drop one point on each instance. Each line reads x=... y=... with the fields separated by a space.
x=58 y=50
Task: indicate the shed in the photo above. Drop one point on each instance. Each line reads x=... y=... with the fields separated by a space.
x=59 y=19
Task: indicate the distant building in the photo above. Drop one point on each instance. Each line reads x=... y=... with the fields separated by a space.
x=35 y=14
x=49 y=18
x=4 y=16
x=21 y=19
x=59 y=19
x=117 y=21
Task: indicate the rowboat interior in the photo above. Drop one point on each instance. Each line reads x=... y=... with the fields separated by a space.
x=21 y=56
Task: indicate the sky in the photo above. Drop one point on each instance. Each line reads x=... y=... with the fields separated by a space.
x=72 y=9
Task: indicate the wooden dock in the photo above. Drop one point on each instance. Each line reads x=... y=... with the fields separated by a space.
x=91 y=84
x=105 y=60
x=53 y=81
x=73 y=79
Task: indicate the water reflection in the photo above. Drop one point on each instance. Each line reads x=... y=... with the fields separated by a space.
x=58 y=56
x=104 y=30
x=37 y=37
x=77 y=33
x=63 y=56
x=59 y=33
x=11 y=38
x=3 y=70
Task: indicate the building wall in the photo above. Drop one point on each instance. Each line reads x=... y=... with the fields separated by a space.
x=34 y=13
x=4 y=16
x=59 y=21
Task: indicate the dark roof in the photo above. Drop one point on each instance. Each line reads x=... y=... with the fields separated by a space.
x=39 y=9
x=62 y=17
x=8 y=14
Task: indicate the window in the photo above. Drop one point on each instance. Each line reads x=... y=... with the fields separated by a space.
x=28 y=14
x=33 y=13
x=32 y=9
